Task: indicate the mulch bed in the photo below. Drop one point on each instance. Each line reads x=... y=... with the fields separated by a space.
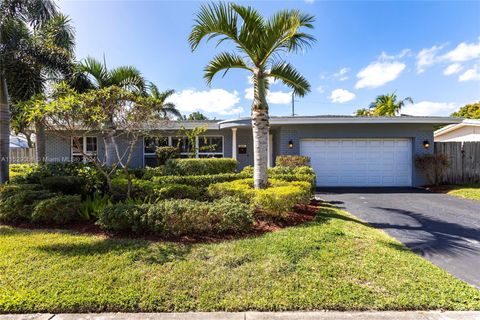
x=300 y=214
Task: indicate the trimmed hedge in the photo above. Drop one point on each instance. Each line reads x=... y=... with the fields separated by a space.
x=179 y=217
x=201 y=166
x=17 y=202
x=292 y=161
x=200 y=181
x=274 y=202
x=58 y=210
x=177 y=191
x=303 y=173
x=65 y=184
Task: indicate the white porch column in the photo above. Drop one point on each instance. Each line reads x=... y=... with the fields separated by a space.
x=234 y=143
x=269 y=148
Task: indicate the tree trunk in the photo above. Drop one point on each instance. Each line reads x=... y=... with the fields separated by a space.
x=40 y=137
x=260 y=127
x=110 y=148
x=4 y=130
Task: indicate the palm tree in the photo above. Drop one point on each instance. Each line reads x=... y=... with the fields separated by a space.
x=163 y=109
x=94 y=74
x=15 y=17
x=363 y=112
x=387 y=105
x=259 y=43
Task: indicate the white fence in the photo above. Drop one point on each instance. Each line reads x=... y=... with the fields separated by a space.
x=22 y=155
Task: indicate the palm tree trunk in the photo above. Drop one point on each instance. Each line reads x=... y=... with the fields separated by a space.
x=260 y=127
x=40 y=136
x=4 y=130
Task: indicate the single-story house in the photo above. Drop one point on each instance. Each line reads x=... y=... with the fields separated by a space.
x=344 y=150
x=466 y=131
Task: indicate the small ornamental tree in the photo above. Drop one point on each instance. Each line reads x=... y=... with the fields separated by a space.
x=70 y=113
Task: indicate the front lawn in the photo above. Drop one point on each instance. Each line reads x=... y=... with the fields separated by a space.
x=468 y=191
x=336 y=262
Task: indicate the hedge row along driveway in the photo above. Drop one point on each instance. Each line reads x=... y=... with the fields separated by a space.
x=335 y=262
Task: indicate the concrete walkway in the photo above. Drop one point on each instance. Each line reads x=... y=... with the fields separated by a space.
x=320 y=315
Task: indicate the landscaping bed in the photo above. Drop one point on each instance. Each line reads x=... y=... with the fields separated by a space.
x=467 y=191
x=335 y=262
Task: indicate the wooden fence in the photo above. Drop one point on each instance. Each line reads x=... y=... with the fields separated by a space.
x=22 y=155
x=464 y=161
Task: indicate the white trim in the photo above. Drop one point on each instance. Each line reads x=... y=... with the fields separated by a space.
x=453 y=127
x=85 y=152
x=234 y=143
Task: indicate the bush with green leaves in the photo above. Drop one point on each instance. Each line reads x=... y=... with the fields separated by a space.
x=58 y=210
x=199 y=181
x=92 y=206
x=65 y=184
x=201 y=166
x=303 y=173
x=274 y=202
x=18 y=170
x=177 y=191
x=17 y=202
x=292 y=161
x=166 y=153
x=433 y=166
x=179 y=217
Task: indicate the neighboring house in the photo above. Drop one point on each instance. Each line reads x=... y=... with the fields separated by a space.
x=467 y=130
x=344 y=150
x=18 y=142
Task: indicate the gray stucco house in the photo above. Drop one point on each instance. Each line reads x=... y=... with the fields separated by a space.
x=344 y=150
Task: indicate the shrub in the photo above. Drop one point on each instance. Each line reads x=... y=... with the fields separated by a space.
x=177 y=191
x=178 y=217
x=199 y=181
x=275 y=201
x=94 y=205
x=292 y=161
x=150 y=173
x=19 y=170
x=166 y=153
x=303 y=173
x=59 y=210
x=201 y=166
x=141 y=189
x=17 y=203
x=433 y=166
x=123 y=217
x=64 y=184
x=92 y=178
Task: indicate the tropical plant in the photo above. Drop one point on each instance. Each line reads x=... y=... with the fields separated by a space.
x=24 y=52
x=163 y=108
x=388 y=105
x=469 y=111
x=195 y=116
x=259 y=43
x=363 y=112
x=95 y=75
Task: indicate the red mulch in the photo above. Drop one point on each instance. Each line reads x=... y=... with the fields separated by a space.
x=299 y=215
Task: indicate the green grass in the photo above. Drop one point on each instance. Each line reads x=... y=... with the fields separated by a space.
x=336 y=262
x=469 y=191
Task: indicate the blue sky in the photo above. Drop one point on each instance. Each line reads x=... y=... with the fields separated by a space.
x=429 y=51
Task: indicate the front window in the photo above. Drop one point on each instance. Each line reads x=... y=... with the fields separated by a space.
x=210 y=146
x=151 y=144
x=84 y=149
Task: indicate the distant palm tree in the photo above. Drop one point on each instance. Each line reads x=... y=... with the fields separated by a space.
x=387 y=105
x=363 y=112
x=163 y=109
x=259 y=43
x=94 y=74
x=23 y=56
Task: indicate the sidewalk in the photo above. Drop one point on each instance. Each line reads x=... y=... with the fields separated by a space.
x=320 y=315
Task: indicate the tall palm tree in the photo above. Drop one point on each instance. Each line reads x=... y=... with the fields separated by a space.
x=94 y=74
x=259 y=43
x=163 y=109
x=388 y=105
x=15 y=15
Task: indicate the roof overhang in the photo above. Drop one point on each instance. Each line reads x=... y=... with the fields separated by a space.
x=453 y=127
x=246 y=122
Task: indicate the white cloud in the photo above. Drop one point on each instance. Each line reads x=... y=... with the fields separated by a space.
x=427 y=57
x=429 y=108
x=463 y=52
x=341 y=95
x=341 y=75
x=378 y=73
x=273 y=97
x=320 y=89
x=472 y=74
x=403 y=53
x=218 y=101
x=452 y=69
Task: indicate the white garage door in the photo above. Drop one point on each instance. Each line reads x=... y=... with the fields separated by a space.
x=360 y=162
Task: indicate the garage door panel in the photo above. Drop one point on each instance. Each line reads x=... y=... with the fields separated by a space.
x=360 y=162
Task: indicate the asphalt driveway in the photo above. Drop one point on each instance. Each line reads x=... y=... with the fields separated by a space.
x=441 y=228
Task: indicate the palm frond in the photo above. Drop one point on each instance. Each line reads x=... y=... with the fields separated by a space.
x=224 y=61
x=93 y=68
x=127 y=77
x=59 y=32
x=291 y=78
x=252 y=29
x=33 y=12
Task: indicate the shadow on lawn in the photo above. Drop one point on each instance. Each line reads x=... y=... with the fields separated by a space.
x=136 y=250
